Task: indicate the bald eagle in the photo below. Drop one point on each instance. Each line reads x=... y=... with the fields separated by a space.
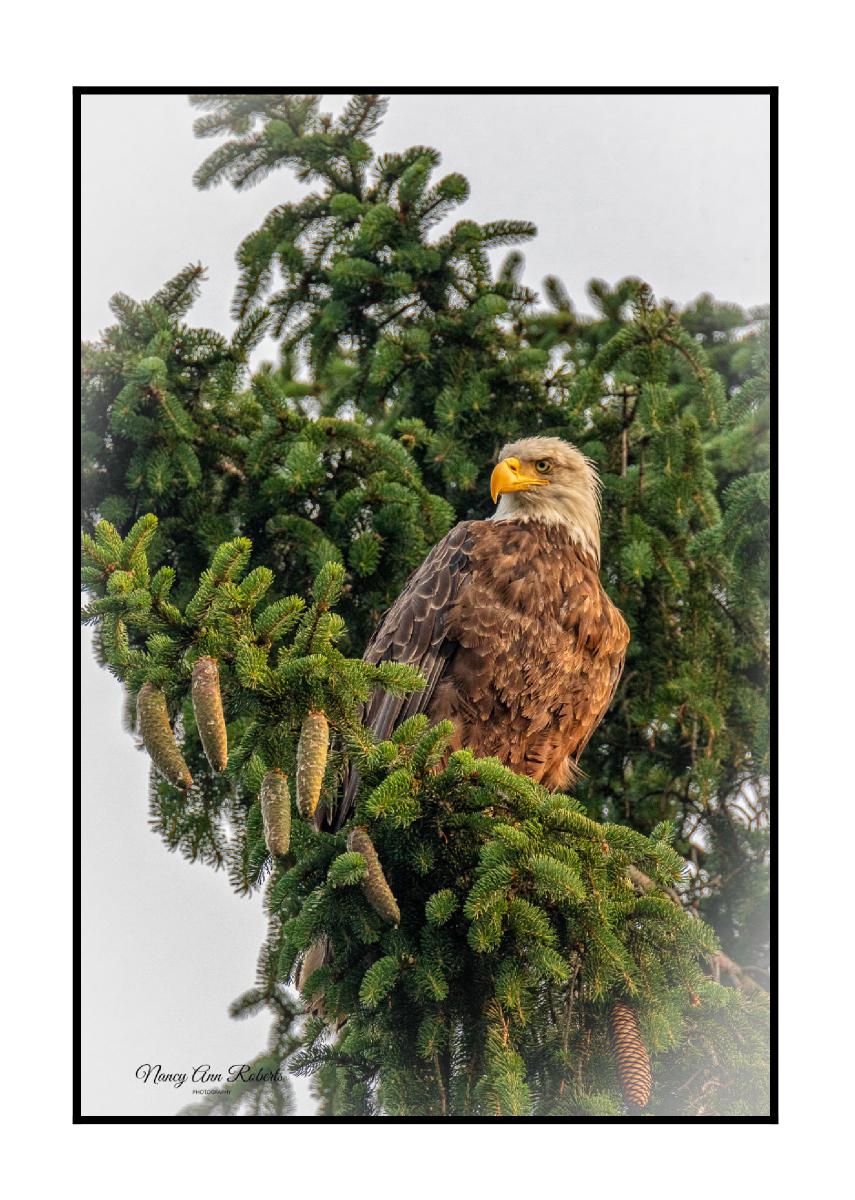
x=507 y=620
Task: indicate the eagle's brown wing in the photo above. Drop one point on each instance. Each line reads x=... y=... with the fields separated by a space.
x=413 y=632
x=613 y=657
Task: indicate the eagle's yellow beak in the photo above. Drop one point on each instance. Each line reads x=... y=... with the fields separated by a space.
x=508 y=477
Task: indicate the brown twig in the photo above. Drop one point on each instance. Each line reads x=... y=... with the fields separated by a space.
x=443 y=1099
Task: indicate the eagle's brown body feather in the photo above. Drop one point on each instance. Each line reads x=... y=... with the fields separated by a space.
x=521 y=647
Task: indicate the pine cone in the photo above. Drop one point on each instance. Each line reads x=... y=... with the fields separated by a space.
x=208 y=707
x=312 y=751
x=275 y=798
x=630 y=1054
x=158 y=739
x=377 y=890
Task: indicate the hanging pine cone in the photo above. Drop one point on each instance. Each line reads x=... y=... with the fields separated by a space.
x=630 y=1054
x=275 y=799
x=311 y=762
x=208 y=707
x=377 y=890
x=158 y=739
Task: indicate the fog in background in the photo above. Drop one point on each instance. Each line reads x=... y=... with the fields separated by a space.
x=674 y=189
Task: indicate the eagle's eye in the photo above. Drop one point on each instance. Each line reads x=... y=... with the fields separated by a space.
x=543 y=466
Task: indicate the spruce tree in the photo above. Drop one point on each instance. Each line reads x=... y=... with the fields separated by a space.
x=491 y=949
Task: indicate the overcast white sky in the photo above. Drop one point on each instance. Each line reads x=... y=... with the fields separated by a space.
x=674 y=189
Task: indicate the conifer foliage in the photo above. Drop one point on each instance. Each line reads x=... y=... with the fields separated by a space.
x=468 y=943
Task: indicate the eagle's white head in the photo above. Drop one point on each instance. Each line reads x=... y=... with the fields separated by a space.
x=546 y=479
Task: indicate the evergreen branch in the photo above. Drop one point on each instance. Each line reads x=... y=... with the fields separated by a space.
x=719 y=962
